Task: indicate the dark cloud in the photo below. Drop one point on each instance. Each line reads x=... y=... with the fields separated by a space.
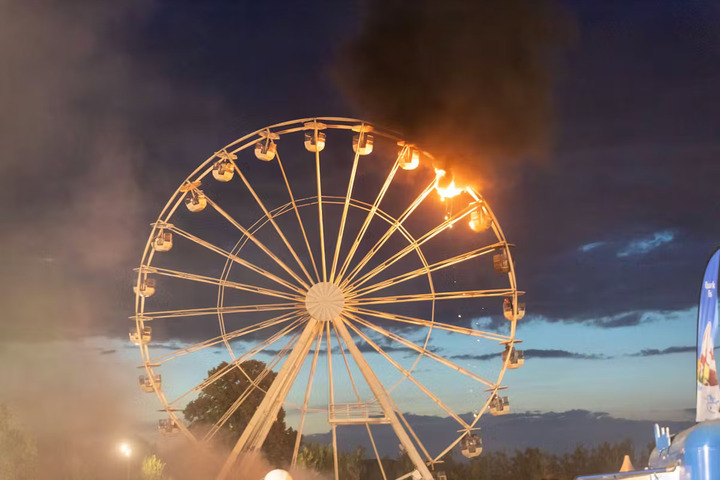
x=653 y=352
x=535 y=353
x=367 y=348
x=480 y=357
x=629 y=319
x=635 y=157
x=554 y=353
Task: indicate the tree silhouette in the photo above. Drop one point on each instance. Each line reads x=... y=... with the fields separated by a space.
x=218 y=397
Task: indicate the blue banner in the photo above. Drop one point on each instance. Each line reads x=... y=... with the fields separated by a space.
x=708 y=391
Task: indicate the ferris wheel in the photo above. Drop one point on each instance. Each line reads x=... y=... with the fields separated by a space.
x=363 y=275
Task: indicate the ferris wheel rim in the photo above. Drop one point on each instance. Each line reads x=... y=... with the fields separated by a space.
x=286 y=128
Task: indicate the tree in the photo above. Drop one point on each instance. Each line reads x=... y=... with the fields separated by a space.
x=320 y=458
x=218 y=397
x=18 y=452
x=153 y=469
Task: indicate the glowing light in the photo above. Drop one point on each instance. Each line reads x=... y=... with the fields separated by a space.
x=125 y=449
x=278 y=475
x=479 y=220
x=448 y=191
x=411 y=160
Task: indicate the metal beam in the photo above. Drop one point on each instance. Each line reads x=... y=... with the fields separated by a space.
x=383 y=399
x=259 y=425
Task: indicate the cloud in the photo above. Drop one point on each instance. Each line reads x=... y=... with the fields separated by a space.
x=627 y=319
x=590 y=246
x=494 y=323
x=367 y=348
x=646 y=245
x=653 y=352
x=554 y=353
x=534 y=353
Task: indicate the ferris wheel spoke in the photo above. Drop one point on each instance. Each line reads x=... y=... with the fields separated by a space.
x=257 y=242
x=425 y=297
x=414 y=245
x=332 y=398
x=377 y=455
x=370 y=215
x=388 y=233
x=237 y=362
x=146 y=269
x=308 y=389
x=341 y=230
x=223 y=338
x=234 y=258
x=254 y=384
x=320 y=211
x=357 y=394
x=414 y=435
x=426 y=323
x=272 y=221
x=347 y=365
x=448 y=262
x=420 y=350
x=408 y=375
x=299 y=219
x=197 y=312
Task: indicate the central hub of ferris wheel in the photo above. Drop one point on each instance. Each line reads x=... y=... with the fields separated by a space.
x=324 y=301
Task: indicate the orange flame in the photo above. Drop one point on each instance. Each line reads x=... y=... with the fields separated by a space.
x=449 y=191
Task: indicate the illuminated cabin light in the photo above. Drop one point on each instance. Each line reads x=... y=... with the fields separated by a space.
x=408 y=156
x=265 y=150
x=141 y=336
x=314 y=138
x=363 y=144
x=499 y=405
x=410 y=160
x=146 y=288
x=162 y=242
x=509 y=312
x=168 y=426
x=517 y=357
x=146 y=384
x=471 y=445
x=223 y=171
x=479 y=219
x=196 y=201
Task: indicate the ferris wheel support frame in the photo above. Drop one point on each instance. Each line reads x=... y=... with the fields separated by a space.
x=254 y=435
x=258 y=427
x=355 y=280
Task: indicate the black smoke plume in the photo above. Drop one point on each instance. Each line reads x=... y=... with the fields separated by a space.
x=470 y=80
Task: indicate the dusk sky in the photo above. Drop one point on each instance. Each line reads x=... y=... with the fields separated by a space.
x=606 y=182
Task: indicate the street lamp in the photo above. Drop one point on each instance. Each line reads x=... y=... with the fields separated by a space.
x=126 y=450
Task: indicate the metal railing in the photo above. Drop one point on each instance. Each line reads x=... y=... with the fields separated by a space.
x=356 y=413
